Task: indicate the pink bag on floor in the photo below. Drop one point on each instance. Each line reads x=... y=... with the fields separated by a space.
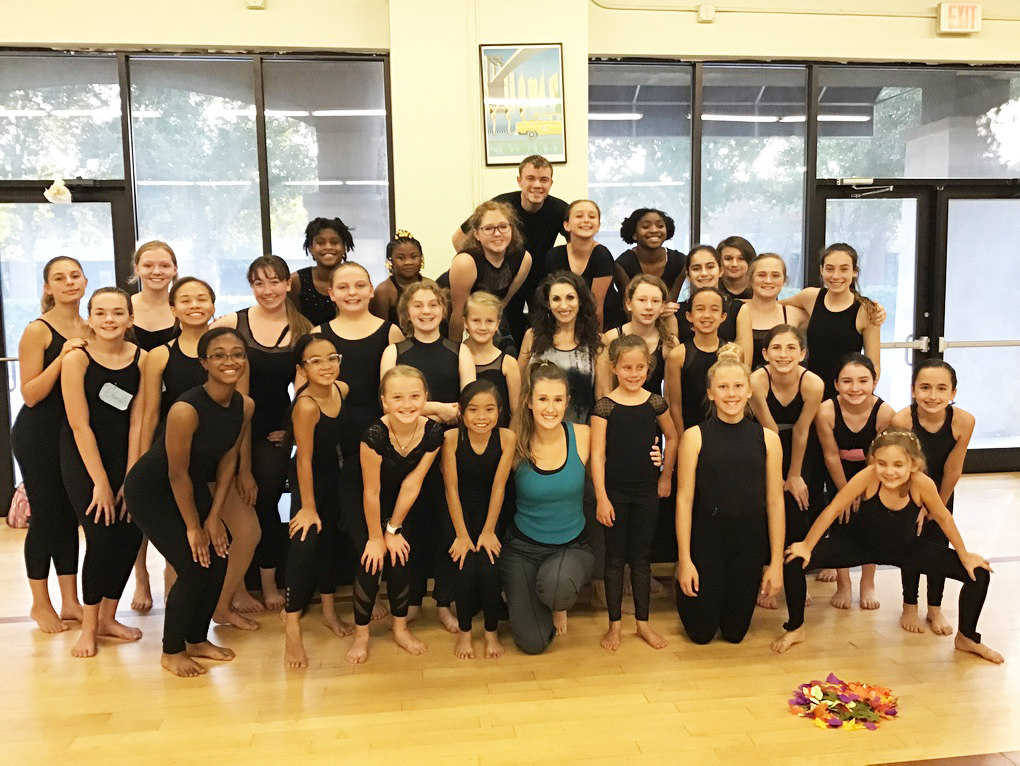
x=19 y=514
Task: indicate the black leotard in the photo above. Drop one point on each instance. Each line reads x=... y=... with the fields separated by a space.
x=831 y=335
x=746 y=294
x=181 y=373
x=758 y=342
x=150 y=339
x=853 y=445
x=726 y=448
x=271 y=371
x=493 y=371
x=438 y=361
x=631 y=430
x=496 y=279
x=694 y=383
x=675 y=268
x=936 y=446
x=35 y=441
x=786 y=416
x=316 y=307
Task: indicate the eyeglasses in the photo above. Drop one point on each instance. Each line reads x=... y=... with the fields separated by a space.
x=488 y=231
x=317 y=361
x=219 y=357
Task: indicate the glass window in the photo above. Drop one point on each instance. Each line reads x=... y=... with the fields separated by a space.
x=752 y=159
x=60 y=117
x=918 y=123
x=639 y=145
x=196 y=167
x=327 y=145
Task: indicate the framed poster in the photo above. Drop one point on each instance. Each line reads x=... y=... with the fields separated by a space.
x=522 y=102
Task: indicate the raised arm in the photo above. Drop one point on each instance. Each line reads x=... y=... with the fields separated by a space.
x=804 y=300
x=840 y=503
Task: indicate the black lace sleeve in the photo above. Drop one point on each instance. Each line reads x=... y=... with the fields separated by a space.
x=433 y=437
x=376 y=436
x=658 y=404
x=603 y=407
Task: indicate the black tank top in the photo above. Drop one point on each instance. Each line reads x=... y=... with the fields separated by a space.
x=493 y=371
x=271 y=371
x=729 y=450
x=676 y=263
x=496 y=279
x=786 y=417
x=890 y=534
x=150 y=339
x=316 y=307
x=758 y=341
x=476 y=475
x=853 y=445
x=935 y=446
x=439 y=362
x=631 y=430
x=694 y=383
x=182 y=373
x=831 y=335
x=47 y=414
x=110 y=424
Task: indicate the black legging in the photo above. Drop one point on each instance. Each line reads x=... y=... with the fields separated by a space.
x=53 y=531
x=910 y=578
x=729 y=553
x=477 y=589
x=629 y=541
x=431 y=534
x=310 y=563
x=851 y=546
x=269 y=465
x=192 y=599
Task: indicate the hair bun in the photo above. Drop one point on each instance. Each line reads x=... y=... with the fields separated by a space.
x=403 y=234
x=730 y=351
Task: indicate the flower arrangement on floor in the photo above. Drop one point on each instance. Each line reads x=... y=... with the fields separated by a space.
x=836 y=704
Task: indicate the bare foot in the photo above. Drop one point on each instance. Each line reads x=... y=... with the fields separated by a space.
x=405 y=640
x=910 y=621
x=181 y=665
x=72 y=611
x=826 y=575
x=47 y=620
x=493 y=648
x=788 y=639
x=413 y=613
x=273 y=598
x=767 y=602
x=964 y=644
x=358 y=653
x=448 y=620
x=868 y=600
x=653 y=639
x=463 y=649
x=598 y=594
x=210 y=651
x=807 y=600
x=379 y=610
x=85 y=646
x=939 y=624
x=340 y=628
x=235 y=620
x=245 y=603
x=142 y=600
x=611 y=640
x=113 y=629
x=842 y=598
x=294 y=655
x=560 y=622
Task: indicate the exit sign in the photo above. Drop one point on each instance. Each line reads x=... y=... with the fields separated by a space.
x=959 y=18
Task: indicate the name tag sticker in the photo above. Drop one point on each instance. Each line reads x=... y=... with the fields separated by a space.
x=116 y=397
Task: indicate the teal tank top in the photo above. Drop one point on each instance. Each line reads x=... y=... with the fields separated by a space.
x=550 y=503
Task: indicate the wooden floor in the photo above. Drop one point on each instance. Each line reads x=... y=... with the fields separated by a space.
x=575 y=704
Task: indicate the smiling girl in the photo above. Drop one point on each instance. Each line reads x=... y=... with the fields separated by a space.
x=405 y=260
x=582 y=255
x=704 y=269
x=328 y=241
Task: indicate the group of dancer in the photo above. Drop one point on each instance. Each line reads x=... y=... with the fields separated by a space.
x=510 y=478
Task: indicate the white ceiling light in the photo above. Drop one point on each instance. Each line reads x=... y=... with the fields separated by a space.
x=615 y=116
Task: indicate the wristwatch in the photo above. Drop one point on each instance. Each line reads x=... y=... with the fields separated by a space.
x=392 y=529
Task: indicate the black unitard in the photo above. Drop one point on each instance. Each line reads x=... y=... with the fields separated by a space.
x=181 y=373
x=831 y=335
x=631 y=481
x=786 y=416
x=439 y=362
x=150 y=339
x=271 y=371
x=393 y=469
x=192 y=599
x=936 y=447
x=493 y=372
x=316 y=307
x=694 y=383
x=110 y=550
x=35 y=441
x=881 y=535
x=311 y=562
x=729 y=531
x=477 y=585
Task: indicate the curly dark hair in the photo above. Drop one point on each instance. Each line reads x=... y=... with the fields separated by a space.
x=317 y=225
x=628 y=229
x=586 y=326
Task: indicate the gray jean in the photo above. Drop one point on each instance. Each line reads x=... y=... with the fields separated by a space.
x=538 y=580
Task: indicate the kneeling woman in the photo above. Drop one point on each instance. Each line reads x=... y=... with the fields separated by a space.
x=735 y=527
x=893 y=489
x=546 y=557
x=176 y=492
